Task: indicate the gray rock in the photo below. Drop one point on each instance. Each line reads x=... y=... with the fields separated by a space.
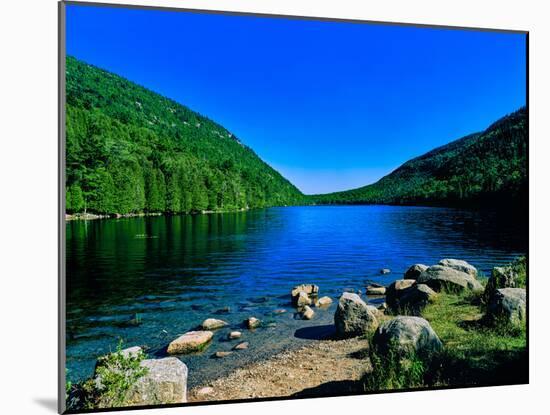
x=165 y=382
x=459 y=265
x=354 y=317
x=442 y=278
x=395 y=289
x=508 y=305
x=406 y=334
x=414 y=271
x=406 y=297
x=189 y=342
x=501 y=277
x=213 y=324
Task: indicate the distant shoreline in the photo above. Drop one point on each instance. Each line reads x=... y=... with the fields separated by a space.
x=94 y=216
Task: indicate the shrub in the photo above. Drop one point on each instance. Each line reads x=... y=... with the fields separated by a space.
x=115 y=374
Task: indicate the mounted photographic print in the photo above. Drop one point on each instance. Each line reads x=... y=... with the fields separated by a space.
x=258 y=207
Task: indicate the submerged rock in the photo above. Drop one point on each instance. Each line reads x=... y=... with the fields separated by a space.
x=213 y=324
x=241 y=346
x=354 y=317
x=404 y=335
x=385 y=271
x=414 y=271
x=459 y=265
x=252 y=322
x=220 y=355
x=443 y=278
x=224 y=310
x=189 y=342
x=234 y=335
x=375 y=290
x=508 y=305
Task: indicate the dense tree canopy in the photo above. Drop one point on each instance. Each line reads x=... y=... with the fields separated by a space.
x=482 y=168
x=131 y=150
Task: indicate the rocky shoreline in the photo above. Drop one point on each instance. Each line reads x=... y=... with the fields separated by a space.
x=337 y=363
x=94 y=216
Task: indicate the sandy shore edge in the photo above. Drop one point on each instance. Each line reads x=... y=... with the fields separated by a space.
x=324 y=367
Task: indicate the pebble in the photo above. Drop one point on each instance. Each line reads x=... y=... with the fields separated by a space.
x=222 y=354
x=241 y=346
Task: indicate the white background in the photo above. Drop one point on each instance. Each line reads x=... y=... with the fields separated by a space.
x=28 y=203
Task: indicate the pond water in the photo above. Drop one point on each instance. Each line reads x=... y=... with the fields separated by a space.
x=176 y=271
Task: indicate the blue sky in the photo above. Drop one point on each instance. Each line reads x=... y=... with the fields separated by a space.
x=331 y=105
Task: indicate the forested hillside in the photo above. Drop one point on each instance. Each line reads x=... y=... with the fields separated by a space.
x=483 y=168
x=131 y=150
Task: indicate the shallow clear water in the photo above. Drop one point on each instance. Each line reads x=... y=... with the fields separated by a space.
x=177 y=271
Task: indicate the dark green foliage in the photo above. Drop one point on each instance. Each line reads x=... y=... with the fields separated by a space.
x=131 y=150
x=483 y=168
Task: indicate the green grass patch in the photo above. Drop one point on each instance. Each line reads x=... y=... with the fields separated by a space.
x=475 y=352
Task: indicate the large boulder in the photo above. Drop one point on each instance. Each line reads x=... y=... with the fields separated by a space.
x=407 y=296
x=502 y=277
x=414 y=271
x=165 y=382
x=213 y=324
x=508 y=305
x=404 y=335
x=311 y=290
x=354 y=317
x=443 y=278
x=192 y=341
x=459 y=265
x=395 y=289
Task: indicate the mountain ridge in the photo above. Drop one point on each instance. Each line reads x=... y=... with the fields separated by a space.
x=478 y=169
x=131 y=150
